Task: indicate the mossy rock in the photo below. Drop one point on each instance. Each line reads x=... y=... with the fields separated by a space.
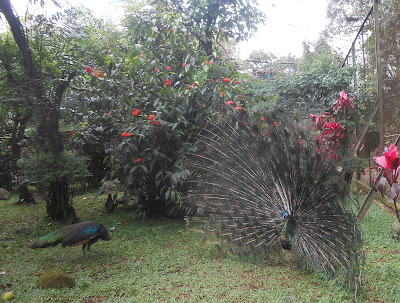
x=55 y=278
x=396 y=230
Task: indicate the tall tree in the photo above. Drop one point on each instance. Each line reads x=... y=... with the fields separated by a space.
x=49 y=137
x=211 y=21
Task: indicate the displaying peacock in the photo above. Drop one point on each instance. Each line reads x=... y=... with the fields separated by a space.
x=83 y=233
x=259 y=185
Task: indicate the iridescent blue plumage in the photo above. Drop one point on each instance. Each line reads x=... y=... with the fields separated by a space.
x=83 y=233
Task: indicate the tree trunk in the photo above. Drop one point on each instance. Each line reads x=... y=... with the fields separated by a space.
x=25 y=196
x=58 y=205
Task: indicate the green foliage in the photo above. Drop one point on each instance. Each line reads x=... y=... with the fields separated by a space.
x=43 y=168
x=211 y=21
x=314 y=86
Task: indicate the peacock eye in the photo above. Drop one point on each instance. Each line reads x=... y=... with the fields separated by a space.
x=285 y=214
x=113 y=229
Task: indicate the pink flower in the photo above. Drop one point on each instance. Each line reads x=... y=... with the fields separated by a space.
x=136 y=112
x=344 y=102
x=151 y=117
x=390 y=159
x=229 y=103
x=227 y=80
x=168 y=82
x=168 y=67
x=89 y=70
x=126 y=135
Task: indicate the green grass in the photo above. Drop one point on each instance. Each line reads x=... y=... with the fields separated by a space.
x=167 y=261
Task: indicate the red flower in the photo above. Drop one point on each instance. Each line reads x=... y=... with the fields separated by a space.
x=319 y=121
x=126 y=135
x=168 y=82
x=155 y=70
x=238 y=82
x=209 y=62
x=151 y=117
x=229 y=103
x=71 y=133
x=262 y=119
x=168 y=67
x=138 y=160
x=227 y=80
x=195 y=85
x=189 y=87
x=221 y=93
x=183 y=64
x=238 y=108
x=266 y=132
x=155 y=122
x=240 y=96
x=101 y=75
x=111 y=113
x=136 y=112
x=276 y=124
x=89 y=70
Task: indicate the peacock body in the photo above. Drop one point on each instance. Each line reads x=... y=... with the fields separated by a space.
x=83 y=233
x=259 y=186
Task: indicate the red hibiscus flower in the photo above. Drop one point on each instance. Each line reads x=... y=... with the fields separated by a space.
x=89 y=70
x=111 y=113
x=155 y=122
x=126 y=135
x=227 y=80
x=195 y=85
x=189 y=87
x=71 y=133
x=221 y=93
x=138 y=160
x=101 y=75
x=276 y=124
x=168 y=82
x=229 y=103
x=238 y=82
x=183 y=64
x=168 y=67
x=151 y=117
x=155 y=70
x=238 y=108
x=136 y=112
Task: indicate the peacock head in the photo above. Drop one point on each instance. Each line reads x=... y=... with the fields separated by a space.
x=287 y=230
x=112 y=229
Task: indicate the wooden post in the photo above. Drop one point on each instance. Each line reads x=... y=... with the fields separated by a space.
x=379 y=74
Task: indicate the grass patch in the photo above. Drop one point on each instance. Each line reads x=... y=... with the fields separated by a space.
x=166 y=261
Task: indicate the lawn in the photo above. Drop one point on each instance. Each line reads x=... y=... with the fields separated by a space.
x=160 y=260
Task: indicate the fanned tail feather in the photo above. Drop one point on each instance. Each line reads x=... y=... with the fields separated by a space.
x=245 y=178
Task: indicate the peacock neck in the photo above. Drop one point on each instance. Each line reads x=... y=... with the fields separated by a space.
x=287 y=233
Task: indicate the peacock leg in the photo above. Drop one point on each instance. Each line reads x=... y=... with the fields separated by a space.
x=83 y=248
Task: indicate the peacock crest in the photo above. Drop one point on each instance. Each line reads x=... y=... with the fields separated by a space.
x=260 y=186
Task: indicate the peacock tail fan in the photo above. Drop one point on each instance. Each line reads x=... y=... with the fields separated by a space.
x=259 y=186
